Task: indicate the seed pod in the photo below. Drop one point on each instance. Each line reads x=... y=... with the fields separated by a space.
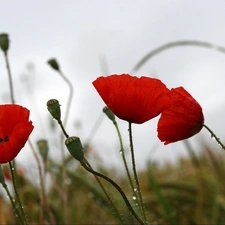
x=54 y=108
x=75 y=148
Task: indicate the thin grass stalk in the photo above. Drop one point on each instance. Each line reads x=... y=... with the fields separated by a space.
x=43 y=197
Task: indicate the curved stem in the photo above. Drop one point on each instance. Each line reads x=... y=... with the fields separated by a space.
x=62 y=150
x=70 y=96
x=83 y=163
x=214 y=136
x=176 y=44
x=135 y=172
x=10 y=78
x=12 y=169
x=105 y=192
x=124 y=159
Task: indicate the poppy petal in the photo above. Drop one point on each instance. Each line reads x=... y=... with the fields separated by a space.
x=133 y=99
x=183 y=119
x=15 y=129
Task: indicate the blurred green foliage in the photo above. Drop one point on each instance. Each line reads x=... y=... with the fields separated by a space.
x=192 y=191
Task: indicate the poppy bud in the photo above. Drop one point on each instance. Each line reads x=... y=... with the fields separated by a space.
x=2 y=177
x=54 y=64
x=4 y=42
x=43 y=148
x=54 y=108
x=109 y=113
x=75 y=148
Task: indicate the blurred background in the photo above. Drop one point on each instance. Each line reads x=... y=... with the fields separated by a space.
x=94 y=38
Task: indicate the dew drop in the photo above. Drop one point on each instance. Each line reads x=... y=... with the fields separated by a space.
x=213 y=137
x=121 y=152
x=135 y=189
x=134 y=197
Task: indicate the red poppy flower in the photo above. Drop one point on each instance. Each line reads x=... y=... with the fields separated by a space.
x=183 y=119
x=15 y=129
x=133 y=99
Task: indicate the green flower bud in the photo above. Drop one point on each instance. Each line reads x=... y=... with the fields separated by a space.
x=54 y=64
x=43 y=148
x=4 y=42
x=2 y=177
x=54 y=108
x=75 y=148
x=109 y=113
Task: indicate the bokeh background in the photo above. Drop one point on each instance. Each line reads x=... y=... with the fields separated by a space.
x=94 y=38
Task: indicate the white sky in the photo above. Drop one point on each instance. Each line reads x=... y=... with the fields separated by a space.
x=80 y=33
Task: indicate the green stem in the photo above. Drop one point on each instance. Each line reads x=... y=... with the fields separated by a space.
x=135 y=172
x=64 y=174
x=63 y=129
x=12 y=169
x=13 y=203
x=83 y=163
x=176 y=44
x=105 y=192
x=12 y=164
x=124 y=159
x=214 y=136
x=70 y=96
x=10 y=78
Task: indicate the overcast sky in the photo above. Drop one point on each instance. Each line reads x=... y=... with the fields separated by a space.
x=81 y=34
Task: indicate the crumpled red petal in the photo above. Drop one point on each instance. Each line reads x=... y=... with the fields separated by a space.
x=183 y=119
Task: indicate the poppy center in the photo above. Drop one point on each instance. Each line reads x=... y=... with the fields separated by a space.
x=3 y=140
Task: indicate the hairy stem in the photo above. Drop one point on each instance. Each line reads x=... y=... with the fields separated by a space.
x=214 y=136
x=124 y=159
x=12 y=169
x=135 y=172
x=83 y=163
x=105 y=192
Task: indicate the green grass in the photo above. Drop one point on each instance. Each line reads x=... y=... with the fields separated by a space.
x=190 y=192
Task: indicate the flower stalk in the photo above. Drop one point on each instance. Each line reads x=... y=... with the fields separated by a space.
x=83 y=163
x=13 y=174
x=214 y=136
x=141 y=204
